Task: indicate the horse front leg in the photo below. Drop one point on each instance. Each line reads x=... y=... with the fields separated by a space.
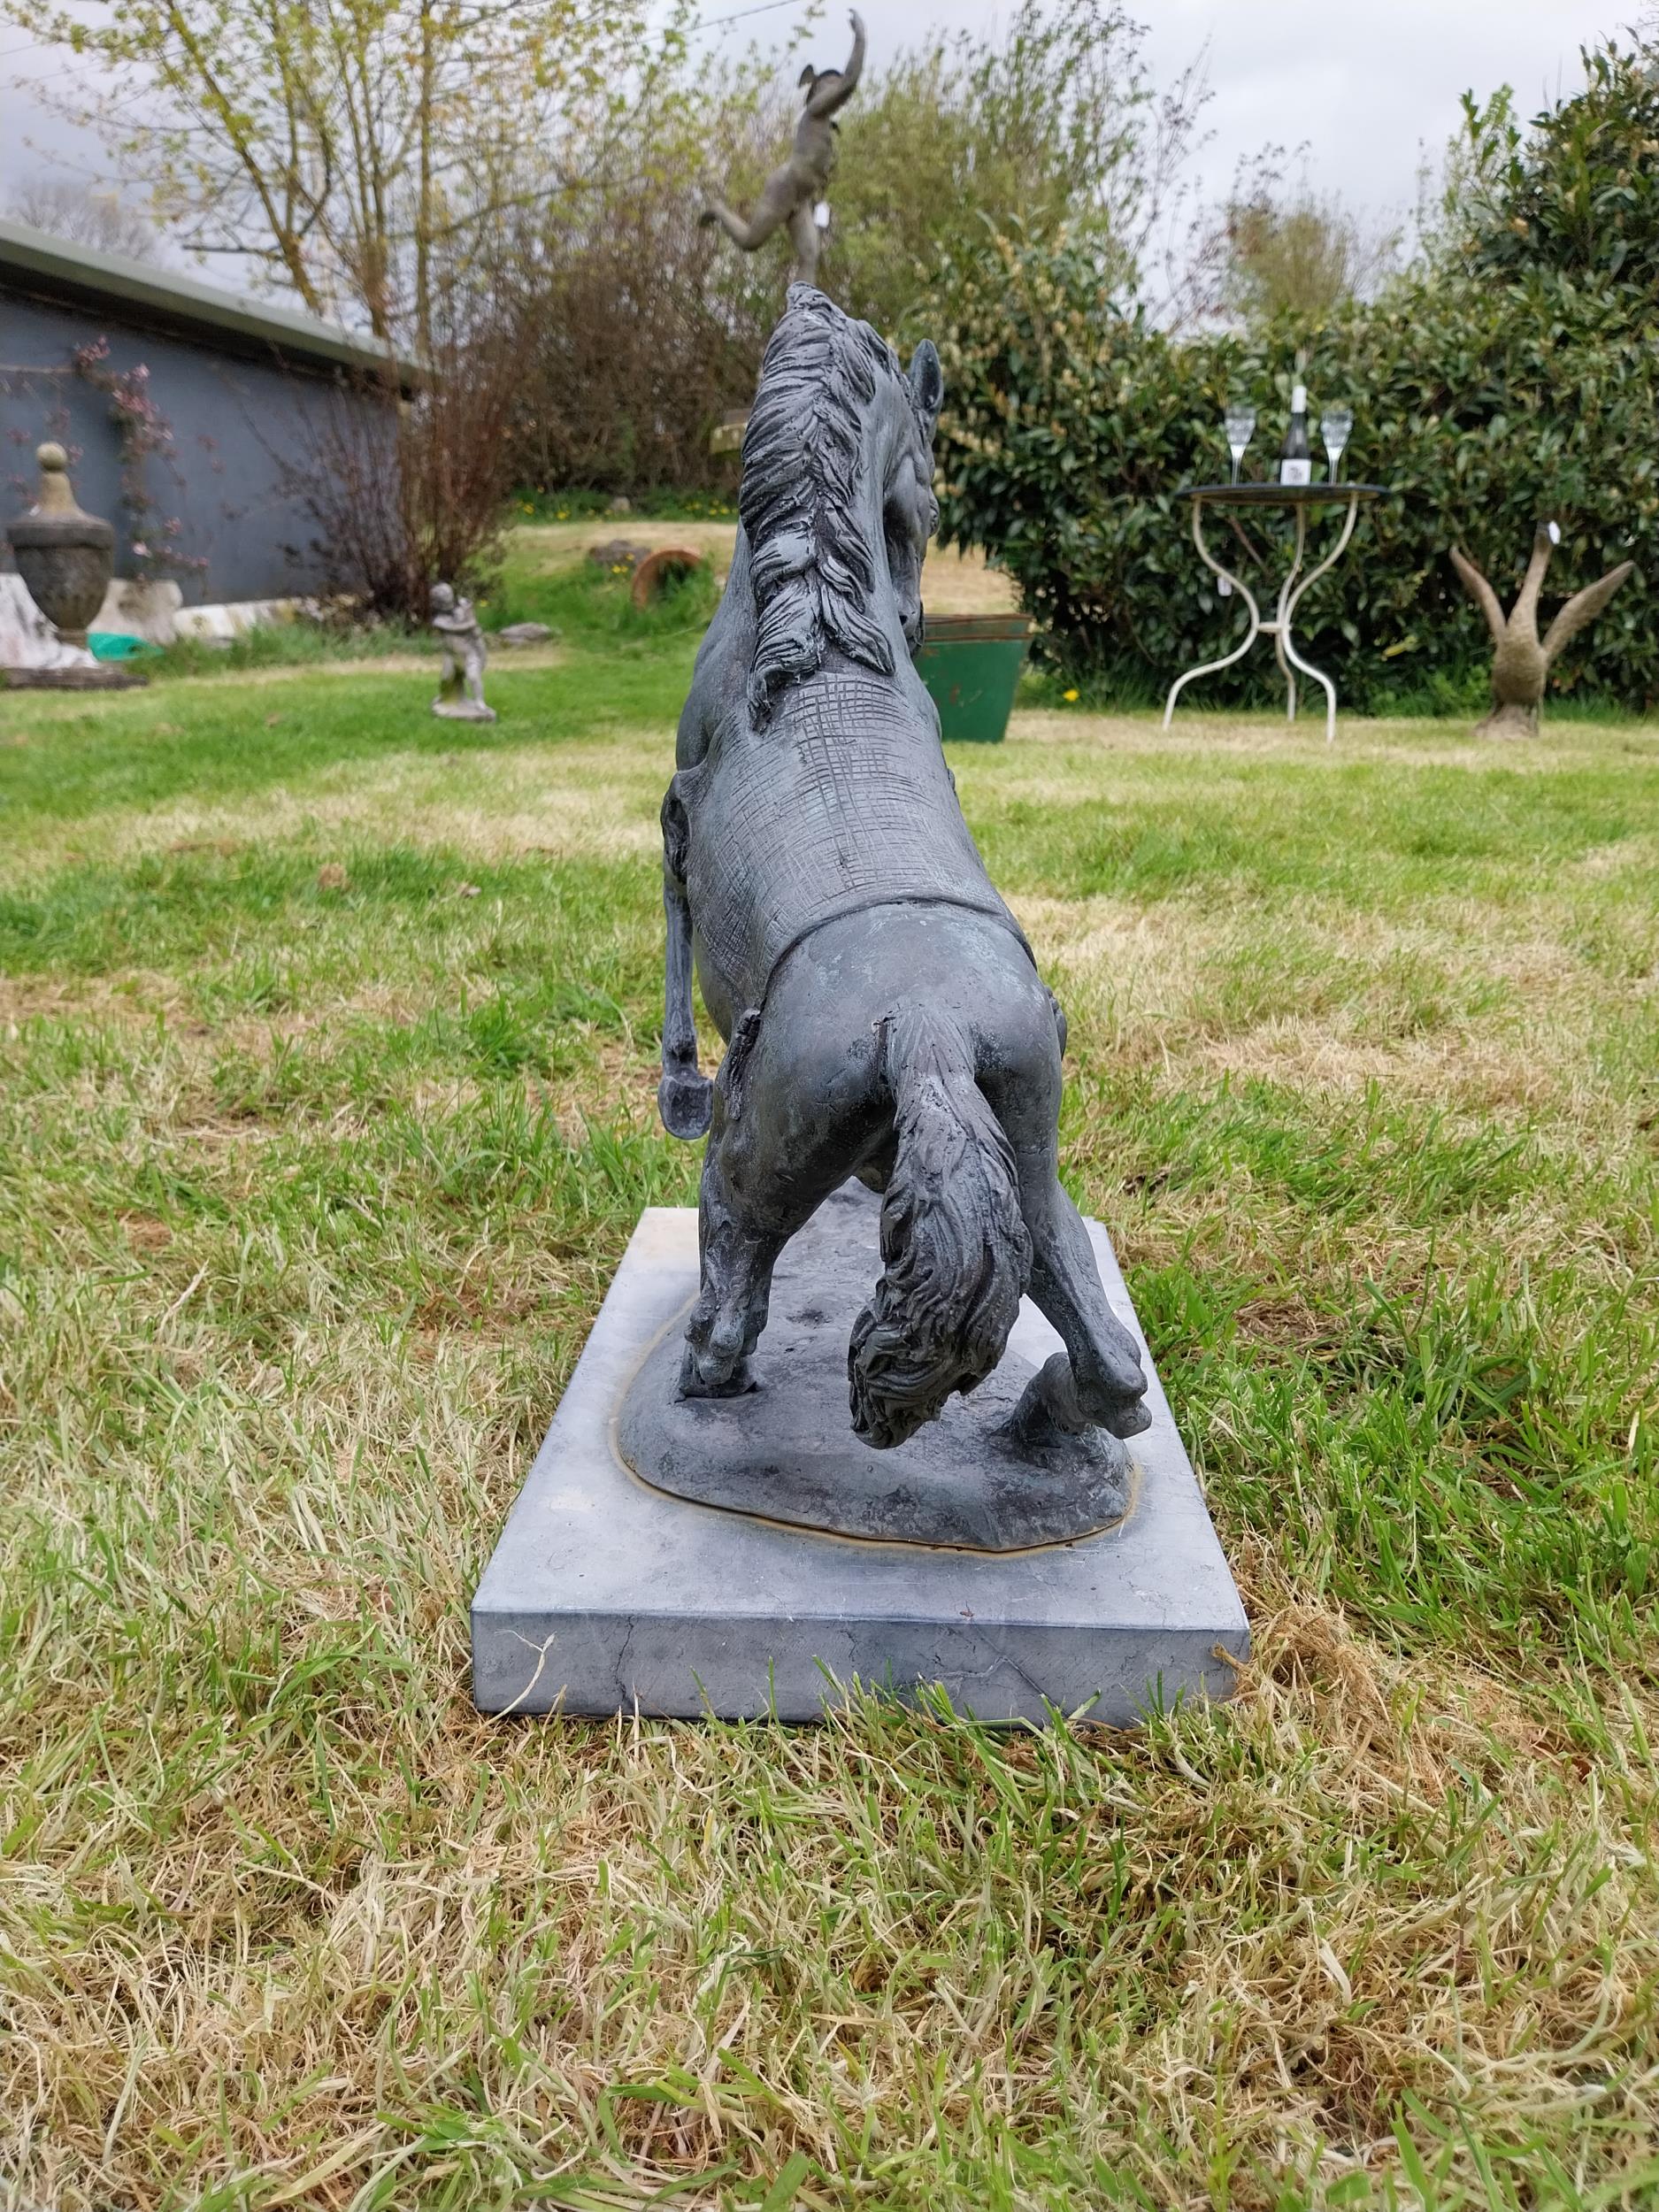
x=738 y=1241
x=684 y=1097
x=1098 y=1379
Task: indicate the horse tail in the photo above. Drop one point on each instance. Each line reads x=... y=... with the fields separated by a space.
x=955 y=1251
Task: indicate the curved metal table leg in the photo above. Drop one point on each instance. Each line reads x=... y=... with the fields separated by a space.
x=1210 y=668
x=1285 y=671
x=1287 y=608
x=1279 y=624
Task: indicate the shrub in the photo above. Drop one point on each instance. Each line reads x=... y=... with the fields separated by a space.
x=1578 y=192
x=1484 y=408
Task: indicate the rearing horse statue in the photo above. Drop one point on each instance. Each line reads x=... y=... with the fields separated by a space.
x=883 y=1014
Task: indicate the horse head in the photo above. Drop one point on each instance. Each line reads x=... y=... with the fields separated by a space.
x=910 y=512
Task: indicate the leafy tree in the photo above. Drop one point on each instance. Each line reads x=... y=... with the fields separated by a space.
x=1300 y=255
x=1052 y=125
x=1070 y=426
x=1509 y=377
x=348 y=149
x=642 y=328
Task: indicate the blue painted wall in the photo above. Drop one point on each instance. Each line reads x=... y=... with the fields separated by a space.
x=234 y=423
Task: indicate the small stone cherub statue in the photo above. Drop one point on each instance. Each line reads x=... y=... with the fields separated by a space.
x=461 y=685
x=793 y=191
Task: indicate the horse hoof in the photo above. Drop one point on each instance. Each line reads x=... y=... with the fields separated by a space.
x=713 y=1379
x=1127 y=1420
x=686 y=1104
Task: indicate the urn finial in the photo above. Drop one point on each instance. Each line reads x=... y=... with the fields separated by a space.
x=65 y=556
x=56 y=494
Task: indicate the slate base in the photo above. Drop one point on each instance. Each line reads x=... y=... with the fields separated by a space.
x=605 y=1591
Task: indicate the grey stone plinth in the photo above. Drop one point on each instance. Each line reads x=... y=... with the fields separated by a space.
x=604 y=1591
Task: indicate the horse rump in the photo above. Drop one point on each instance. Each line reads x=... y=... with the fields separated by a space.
x=956 y=1253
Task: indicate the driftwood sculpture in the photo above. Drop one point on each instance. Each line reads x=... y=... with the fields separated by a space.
x=884 y=1016
x=1521 y=664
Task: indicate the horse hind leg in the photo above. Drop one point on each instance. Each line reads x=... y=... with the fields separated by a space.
x=1098 y=1380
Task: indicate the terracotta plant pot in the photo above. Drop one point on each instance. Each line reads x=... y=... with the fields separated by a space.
x=64 y=557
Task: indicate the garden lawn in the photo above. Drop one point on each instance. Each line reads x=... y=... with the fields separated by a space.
x=328 y=1039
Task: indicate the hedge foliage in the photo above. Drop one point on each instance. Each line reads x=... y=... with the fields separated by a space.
x=1484 y=406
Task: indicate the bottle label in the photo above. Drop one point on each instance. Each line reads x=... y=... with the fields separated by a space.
x=1296 y=471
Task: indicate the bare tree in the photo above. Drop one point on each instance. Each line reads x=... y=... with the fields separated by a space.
x=86 y=217
x=407 y=489
x=1275 y=248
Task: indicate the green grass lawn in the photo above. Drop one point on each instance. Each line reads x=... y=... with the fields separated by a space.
x=328 y=1039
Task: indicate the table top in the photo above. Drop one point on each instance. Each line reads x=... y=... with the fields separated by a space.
x=1283 y=495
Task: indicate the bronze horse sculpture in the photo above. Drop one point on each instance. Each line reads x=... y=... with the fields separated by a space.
x=883 y=1014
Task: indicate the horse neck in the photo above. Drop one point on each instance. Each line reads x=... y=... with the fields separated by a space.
x=826 y=531
x=884 y=449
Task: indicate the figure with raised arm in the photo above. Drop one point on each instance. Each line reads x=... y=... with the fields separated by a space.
x=793 y=191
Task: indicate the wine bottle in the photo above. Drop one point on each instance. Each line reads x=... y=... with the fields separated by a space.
x=1295 y=458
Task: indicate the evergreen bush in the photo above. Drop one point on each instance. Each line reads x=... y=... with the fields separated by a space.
x=1485 y=405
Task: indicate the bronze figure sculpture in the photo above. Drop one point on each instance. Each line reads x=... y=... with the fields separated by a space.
x=883 y=1013
x=794 y=191
x=1520 y=662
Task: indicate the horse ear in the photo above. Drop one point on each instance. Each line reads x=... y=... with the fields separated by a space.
x=927 y=379
x=808 y=75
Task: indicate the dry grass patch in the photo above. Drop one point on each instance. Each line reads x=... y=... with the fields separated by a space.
x=309 y=1190
x=1408 y=743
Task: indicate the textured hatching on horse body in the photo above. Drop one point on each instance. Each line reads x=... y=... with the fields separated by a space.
x=842 y=800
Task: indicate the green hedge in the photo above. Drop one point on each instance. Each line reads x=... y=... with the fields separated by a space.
x=1485 y=407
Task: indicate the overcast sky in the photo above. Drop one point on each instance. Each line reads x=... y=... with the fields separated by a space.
x=1367 y=87
x=1364 y=83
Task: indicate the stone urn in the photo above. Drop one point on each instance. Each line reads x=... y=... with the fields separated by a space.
x=64 y=557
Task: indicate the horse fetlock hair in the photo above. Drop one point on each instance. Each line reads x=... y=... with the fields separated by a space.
x=955 y=1250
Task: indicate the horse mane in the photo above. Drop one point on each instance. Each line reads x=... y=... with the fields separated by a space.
x=811 y=571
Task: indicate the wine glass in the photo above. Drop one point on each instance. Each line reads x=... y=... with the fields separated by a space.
x=1240 y=422
x=1335 y=426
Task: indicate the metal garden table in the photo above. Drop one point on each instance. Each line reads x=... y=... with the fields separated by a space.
x=1299 y=498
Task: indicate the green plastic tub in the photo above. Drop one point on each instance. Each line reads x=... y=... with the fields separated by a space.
x=115 y=645
x=971 y=664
